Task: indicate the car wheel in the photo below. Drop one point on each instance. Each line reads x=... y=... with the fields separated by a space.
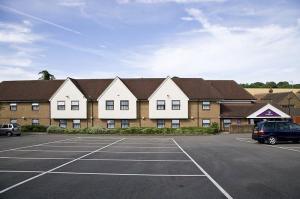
x=9 y=134
x=272 y=140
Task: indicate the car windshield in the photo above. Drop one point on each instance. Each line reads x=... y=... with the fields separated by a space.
x=16 y=125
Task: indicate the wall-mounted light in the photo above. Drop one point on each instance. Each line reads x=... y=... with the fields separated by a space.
x=143 y=118
x=192 y=117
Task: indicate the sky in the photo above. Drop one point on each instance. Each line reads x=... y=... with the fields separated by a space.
x=243 y=40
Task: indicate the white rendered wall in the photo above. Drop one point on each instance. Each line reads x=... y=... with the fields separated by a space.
x=168 y=91
x=68 y=92
x=117 y=91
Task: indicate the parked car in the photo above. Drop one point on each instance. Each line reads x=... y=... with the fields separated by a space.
x=274 y=131
x=10 y=129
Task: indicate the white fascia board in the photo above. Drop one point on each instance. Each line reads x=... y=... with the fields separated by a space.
x=110 y=85
x=266 y=107
x=167 y=78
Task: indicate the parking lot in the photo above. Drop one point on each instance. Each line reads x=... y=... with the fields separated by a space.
x=221 y=166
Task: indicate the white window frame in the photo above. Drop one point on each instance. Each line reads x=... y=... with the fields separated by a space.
x=206 y=105
x=160 y=123
x=110 y=124
x=124 y=124
x=107 y=106
x=13 y=106
x=160 y=104
x=226 y=123
x=76 y=124
x=63 y=124
x=35 y=121
x=176 y=106
x=206 y=123
x=35 y=106
x=124 y=107
x=75 y=105
x=175 y=123
x=61 y=104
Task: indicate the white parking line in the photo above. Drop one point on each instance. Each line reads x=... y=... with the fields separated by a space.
x=225 y=193
x=278 y=147
x=24 y=147
x=136 y=160
x=33 y=158
x=146 y=147
x=67 y=146
x=60 y=166
x=58 y=151
x=135 y=152
x=95 y=143
x=108 y=174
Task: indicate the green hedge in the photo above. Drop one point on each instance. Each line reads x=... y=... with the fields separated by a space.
x=135 y=130
x=33 y=128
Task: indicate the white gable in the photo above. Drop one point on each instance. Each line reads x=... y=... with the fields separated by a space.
x=117 y=91
x=268 y=111
x=67 y=93
x=168 y=91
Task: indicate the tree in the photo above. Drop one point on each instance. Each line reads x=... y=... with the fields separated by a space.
x=283 y=84
x=45 y=75
x=271 y=85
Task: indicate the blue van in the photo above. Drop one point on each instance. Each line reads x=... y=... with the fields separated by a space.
x=274 y=131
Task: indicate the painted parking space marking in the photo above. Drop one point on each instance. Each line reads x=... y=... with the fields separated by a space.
x=136 y=152
x=33 y=158
x=60 y=166
x=249 y=140
x=24 y=147
x=225 y=193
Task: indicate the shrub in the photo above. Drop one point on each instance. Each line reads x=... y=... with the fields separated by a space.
x=33 y=128
x=136 y=130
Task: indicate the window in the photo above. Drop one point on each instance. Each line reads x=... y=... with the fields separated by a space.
x=238 y=121
x=226 y=123
x=160 y=123
x=76 y=124
x=109 y=105
x=175 y=124
x=5 y=126
x=110 y=124
x=35 y=106
x=205 y=105
x=175 y=104
x=13 y=106
x=13 y=121
x=206 y=123
x=161 y=105
x=124 y=105
x=35 y=122
x=74 y=105
x=124 y=123
x=282 y=126
x=61 y=105
x=295 y=127
x=63 y=123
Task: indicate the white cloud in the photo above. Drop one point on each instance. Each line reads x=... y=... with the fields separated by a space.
x=72 y=3
x=216 y=51
x=14 y=61
x=15 y=73
x=17 y=33
x=167 y=1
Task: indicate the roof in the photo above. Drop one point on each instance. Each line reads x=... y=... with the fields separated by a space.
x=292 y=111
x=197 y=88
x=239 y=110
x=276 y=97
x=29 y=90
x=230 y=90
x=142 y=88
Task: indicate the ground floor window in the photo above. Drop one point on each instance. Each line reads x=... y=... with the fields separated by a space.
x=35 y=122
x=110 y=124
x=206 y=123
x=124 y=123
x=13 y=121
x=63 y=123
x=226 y=123
x=76 y=124
x=160 y=123
x=175 y=124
